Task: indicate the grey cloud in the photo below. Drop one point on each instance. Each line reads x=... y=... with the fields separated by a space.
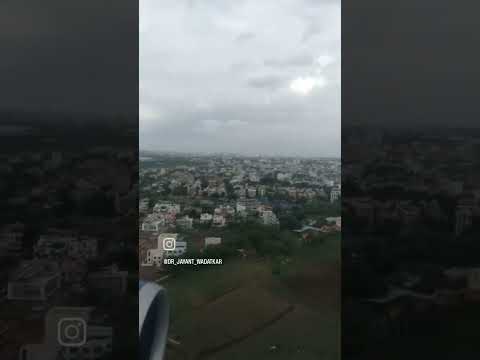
x=76 y=58
x=223 y=81
x=240 y=66
x=246 y=36
x=266 y=82
x=295 y=61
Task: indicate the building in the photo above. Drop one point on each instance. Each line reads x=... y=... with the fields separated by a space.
x=143 y=206
x=180 y=249
x=473 y=279
x=269 y=218
x=212 y=241
x=34 y=280
x=251 y=192
x=74 y=270
x=83 y=247
x=108 y=280
x=335 y=220
x=168 y=245
x=219 y=221
x=206 y=218
x=53 y=246
x=463 y=218
x=11 y=242
x=156 y=221
x=185 y=222
x=166 y=208
x=154 y=257
x=261 y=191
x=247 y=205
x=147 y=241
x=335 y=193
x=241 y=207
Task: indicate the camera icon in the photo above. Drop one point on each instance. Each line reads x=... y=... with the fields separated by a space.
x=72 y=332
x=169 y=244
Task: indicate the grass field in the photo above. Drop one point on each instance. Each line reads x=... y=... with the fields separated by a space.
x=259 y=309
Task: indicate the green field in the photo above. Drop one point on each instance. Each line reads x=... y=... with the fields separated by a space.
x=285 y=308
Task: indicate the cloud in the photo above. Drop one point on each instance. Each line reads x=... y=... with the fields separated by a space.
x=295 y=61
x=246 y=36
x=305 y=85
x=325 y=60
x=271 y=82
x=238 y=76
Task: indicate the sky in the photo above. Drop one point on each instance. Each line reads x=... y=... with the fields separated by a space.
x=241 y=76
x=70 y=57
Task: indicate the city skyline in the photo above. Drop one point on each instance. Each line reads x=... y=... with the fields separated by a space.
x=213 y=79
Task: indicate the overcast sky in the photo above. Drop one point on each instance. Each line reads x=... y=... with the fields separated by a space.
x=69 y=57
x=242 y=76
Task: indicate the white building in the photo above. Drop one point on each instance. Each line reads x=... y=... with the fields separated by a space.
x=206 y=218
x=212 y=241
x=154 y=257
x=335 y=194
x=241 y=207
x=168 y=245
x=336 y=220
x=167 y=207
x=268 y=217
x=34 y=280
x=154 y=222
x=261 y=191
x=219 y=221
x=251 y=192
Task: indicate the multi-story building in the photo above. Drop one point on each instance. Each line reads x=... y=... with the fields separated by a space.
x=212 y=241
x=11 y=242
x=206 y=218
x=185 y=222
x=268 y=217
x=251 y=192
x=166 y=207
x=168 y=245
x=83 y=247
x=34 y=280
x=335 y=193
x=154 y=222
x=219 y=220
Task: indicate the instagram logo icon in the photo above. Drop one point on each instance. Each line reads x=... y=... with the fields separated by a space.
x=72 y=332
x=169 y=244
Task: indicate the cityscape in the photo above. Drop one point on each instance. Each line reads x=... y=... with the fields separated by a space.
x=272 y=225
x=409 y=241
x=68 y=240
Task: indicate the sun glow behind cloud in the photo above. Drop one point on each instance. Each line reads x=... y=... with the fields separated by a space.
x=305 y=85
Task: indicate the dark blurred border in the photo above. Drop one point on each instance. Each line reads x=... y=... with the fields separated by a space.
x=69 y=178
x=410 y=200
